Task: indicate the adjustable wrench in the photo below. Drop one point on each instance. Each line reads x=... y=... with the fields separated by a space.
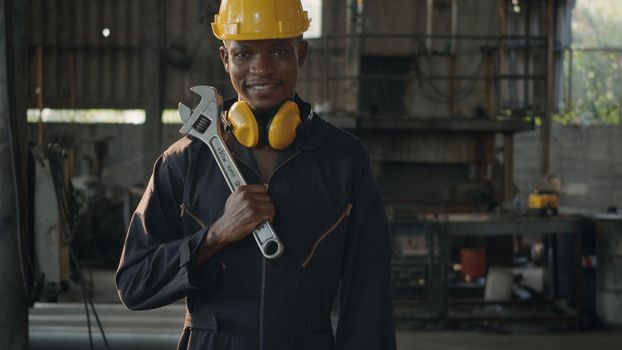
x=204 y=123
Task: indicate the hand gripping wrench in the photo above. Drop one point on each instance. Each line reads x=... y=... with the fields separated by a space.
x=204 y=123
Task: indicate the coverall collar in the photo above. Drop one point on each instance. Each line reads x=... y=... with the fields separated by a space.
x=311 y=136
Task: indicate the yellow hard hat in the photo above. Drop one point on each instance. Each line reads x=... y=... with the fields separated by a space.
x=260 y=19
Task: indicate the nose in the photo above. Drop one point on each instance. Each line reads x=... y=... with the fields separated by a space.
x=262 y=64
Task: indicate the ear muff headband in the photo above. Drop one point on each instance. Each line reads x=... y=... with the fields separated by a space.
x=281 y=128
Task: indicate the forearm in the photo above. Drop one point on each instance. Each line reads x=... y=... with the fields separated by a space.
x=247 y=207
x=214 y=241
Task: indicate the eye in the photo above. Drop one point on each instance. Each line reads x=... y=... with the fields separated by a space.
x=240 y=54
x=280 y=52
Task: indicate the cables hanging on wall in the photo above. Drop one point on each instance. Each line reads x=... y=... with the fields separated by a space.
x=69 y=218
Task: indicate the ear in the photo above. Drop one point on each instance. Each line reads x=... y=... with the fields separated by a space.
x=303 y=47
x=224 y=56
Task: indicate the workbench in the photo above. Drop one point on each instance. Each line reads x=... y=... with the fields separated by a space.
x=425 y=296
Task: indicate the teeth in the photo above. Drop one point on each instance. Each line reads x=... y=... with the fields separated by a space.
x=263 y=87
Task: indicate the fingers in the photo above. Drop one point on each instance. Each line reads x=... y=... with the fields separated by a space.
x=246 y=207
x=250 y=203
x=256 y=197
x=253 y=193
x=259 y=210
x=265 y=211
x=253 y=188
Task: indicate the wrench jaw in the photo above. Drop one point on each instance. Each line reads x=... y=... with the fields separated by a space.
x=205 y=91
x=207 y=112
x=193 y=120
x=184 y=112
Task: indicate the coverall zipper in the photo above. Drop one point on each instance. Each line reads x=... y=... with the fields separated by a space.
x=262 y=291
x=281 y=165
x=186 y=210
x=261 y=301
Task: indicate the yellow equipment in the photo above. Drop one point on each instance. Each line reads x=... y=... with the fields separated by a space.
x=281 y=129
x=257 y=20
x=544 y=202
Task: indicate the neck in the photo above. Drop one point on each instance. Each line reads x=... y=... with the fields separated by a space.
x=264 y=115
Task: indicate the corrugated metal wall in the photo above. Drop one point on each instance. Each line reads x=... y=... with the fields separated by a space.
x=76 y=64
x=79 y=67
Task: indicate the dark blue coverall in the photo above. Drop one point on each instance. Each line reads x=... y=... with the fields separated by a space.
x=330 y=218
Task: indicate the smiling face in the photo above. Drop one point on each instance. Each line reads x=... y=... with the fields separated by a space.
x=264 y=72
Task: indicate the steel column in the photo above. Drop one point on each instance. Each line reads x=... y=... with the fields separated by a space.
x=545 y=132
x=153 y=82
x=14 y=301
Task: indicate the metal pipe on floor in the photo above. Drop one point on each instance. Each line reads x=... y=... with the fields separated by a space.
x=63 y=326
x=77 y=338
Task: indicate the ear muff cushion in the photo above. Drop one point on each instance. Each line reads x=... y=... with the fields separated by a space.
x=243 y=124
x=282 y=130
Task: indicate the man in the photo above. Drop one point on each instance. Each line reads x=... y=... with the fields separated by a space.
x=190 y=237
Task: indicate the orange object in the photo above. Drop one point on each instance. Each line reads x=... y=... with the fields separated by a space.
x=473 y=262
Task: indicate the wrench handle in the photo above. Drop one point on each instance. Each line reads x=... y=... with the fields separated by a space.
x=269 y=244
x=225 y=163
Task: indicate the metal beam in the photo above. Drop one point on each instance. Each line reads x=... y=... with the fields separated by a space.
x=545 y=132
x=14 y=301
x=508 y=167
x=444 y=124
x=153 y=83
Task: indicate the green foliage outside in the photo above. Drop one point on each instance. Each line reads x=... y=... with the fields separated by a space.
x=595 y=95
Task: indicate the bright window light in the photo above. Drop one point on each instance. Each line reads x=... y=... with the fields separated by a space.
x=314 y=7
x=87 y=116
x=171 y=116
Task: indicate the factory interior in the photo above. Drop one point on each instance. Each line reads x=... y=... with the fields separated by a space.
x=491 y=126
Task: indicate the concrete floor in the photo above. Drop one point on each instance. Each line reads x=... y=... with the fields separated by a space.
x=105 y=293
x=481 y=341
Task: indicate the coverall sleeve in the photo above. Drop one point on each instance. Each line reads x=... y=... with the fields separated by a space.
x=366 y=313
x=154 y=268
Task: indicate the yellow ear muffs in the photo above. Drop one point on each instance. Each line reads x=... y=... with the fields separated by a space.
x=243 y=124
x=282 y=129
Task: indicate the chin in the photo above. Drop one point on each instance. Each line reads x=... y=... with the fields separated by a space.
x=263 y=105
